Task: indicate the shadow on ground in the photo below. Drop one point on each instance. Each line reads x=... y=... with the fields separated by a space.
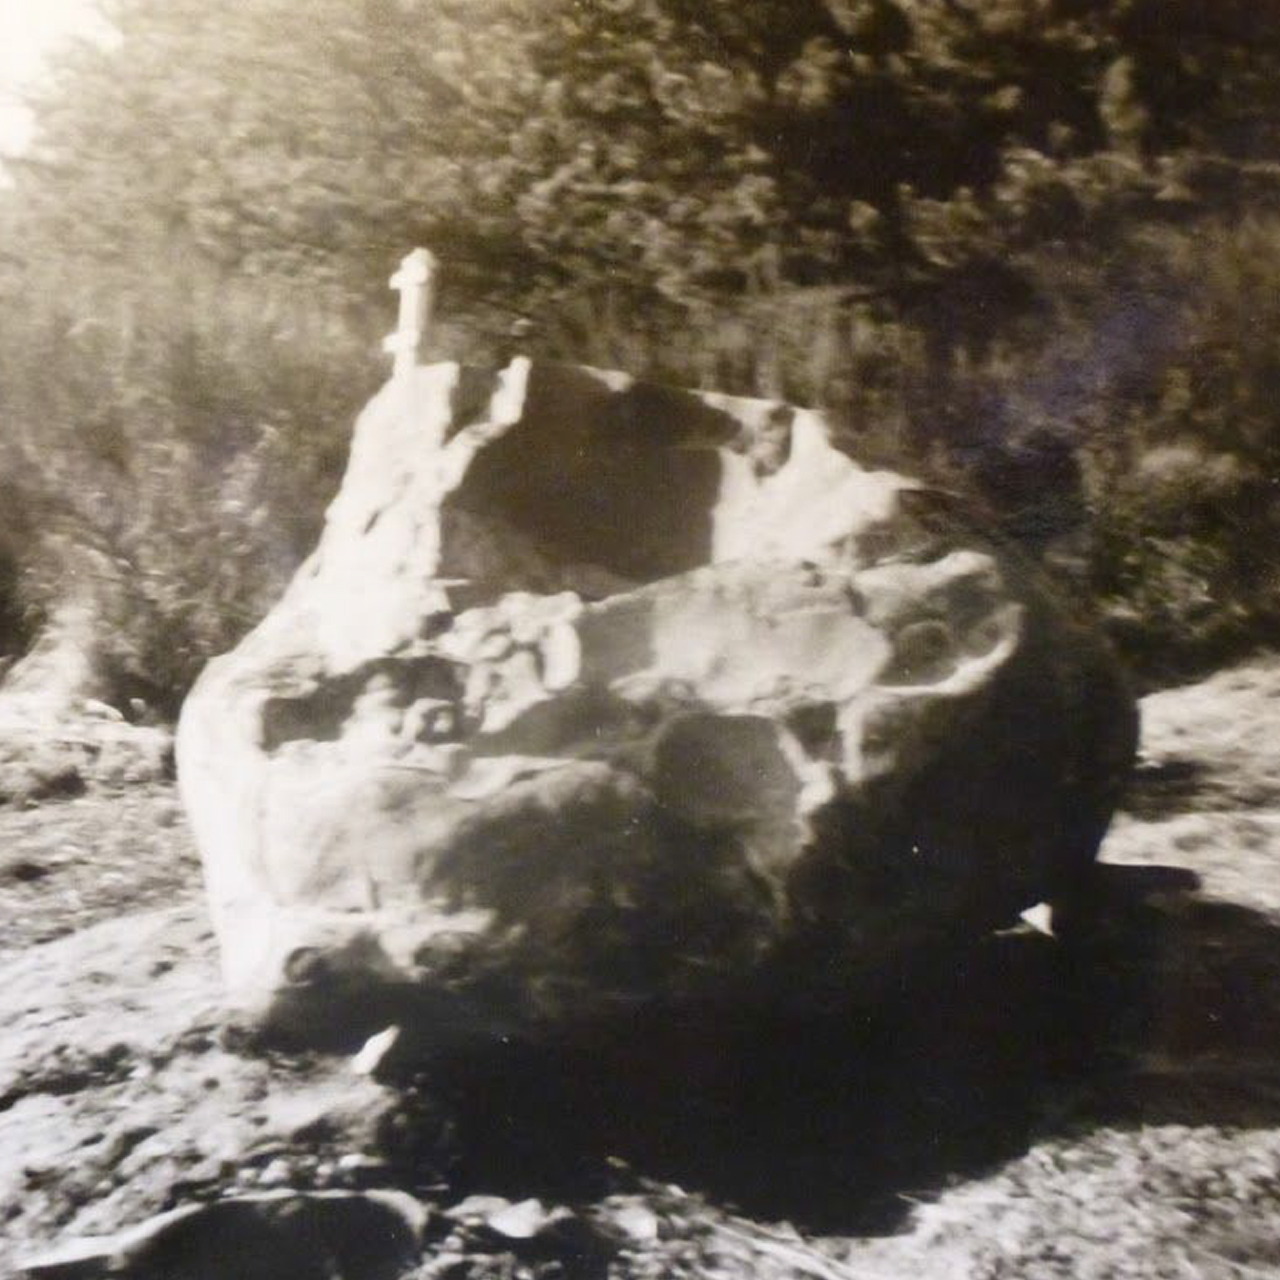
x=1167 y=1011
x=1164 y=788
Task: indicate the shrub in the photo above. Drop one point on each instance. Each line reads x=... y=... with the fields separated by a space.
x=169 y=451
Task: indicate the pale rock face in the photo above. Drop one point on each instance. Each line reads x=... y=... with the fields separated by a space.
x=60 y=670
x=58 y=735
x=597 y=694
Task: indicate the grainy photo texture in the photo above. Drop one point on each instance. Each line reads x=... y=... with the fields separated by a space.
x=638 y=639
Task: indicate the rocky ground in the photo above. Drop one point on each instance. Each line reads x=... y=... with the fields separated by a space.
x=1101 y=1106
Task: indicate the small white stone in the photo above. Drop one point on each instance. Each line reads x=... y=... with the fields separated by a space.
x=637 y=1222
x=374 y=1049
x=524 y=1220
x=275 y=1174
x=561 y=656
x=1040 y=918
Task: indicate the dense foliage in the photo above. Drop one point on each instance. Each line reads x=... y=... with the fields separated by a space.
x=1032 y=246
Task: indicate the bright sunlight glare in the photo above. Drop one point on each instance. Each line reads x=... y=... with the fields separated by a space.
x=29 y=30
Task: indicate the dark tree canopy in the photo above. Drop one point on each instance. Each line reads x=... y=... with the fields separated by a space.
x=661 y=148
x=1026 y=246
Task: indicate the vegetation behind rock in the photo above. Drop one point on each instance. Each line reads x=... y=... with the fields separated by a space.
x=1028 y=249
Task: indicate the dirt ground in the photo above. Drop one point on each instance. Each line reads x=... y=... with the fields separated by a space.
x=1103 y=1105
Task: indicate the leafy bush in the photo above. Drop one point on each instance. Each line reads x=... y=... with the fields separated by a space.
x=169 y=450
x=1185 y=474
x=1027 y=247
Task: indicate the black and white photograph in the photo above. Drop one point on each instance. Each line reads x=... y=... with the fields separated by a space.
x=640 y=639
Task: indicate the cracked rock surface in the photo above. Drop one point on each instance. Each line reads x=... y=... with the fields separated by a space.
x=597 y=695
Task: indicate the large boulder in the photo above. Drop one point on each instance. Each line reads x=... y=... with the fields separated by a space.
x=597 y=695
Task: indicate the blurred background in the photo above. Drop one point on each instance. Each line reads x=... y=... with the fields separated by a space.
x=1028 y=248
